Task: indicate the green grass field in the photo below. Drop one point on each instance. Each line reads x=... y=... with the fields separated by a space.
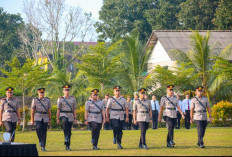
x=218 y=141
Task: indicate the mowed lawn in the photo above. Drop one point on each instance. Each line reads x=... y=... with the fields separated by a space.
x=218 y=141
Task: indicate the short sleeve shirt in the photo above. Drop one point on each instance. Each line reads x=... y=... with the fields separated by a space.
x=38 y=107
x=63 y=106
x=95 y=113
x=117 y=112
x=169 y=109
x=139 y=107
x=7 y=116
x=198 y=108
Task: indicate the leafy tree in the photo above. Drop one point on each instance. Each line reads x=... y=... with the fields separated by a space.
x=24 y=77
x=223 y=15
x=101 y=65
x=198 y=14
x=134 y=63
x=119 y=17
x=9 y=38
x=164 y=14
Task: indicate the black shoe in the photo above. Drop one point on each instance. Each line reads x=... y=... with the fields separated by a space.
x=140 y=146
x=202 y=146
x=43 y=149
x=96 y=148
x=68 y=148
x=172 y=143
x=119 y=146
x=114 y=140
x=169 y=145
x=198 y=144
x=145 y=146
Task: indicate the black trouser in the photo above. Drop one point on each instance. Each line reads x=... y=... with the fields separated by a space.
x=187 y=119
x=66 y=126
x=178 y=120
x=117 y=129
x=130 y=122
x=41 y=130
x=143 y=127
x=107 y=126
x=155 y=119
x=10 y=127
x=96 y=127
x=201 y=127
x=170 y=123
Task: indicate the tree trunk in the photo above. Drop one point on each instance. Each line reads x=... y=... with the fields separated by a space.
x=23 y=110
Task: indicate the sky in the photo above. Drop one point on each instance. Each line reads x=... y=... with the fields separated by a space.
x=16 y=6
x=93 y=6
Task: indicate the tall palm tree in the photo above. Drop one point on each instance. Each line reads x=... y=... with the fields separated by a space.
x=134 y=62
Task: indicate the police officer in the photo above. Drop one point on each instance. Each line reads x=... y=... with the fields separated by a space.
x=94 y=116
x=142 y=111
x=67 y=112
x=200 y=106
x=106 y=125
x=168 y=106
x=41 y=115
x=9 y=112
x=118 y=105
x=130 y=110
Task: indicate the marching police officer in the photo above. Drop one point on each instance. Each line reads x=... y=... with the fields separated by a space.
x=41 y=115
x=142 y=115
x=9 y=112
x=118 y=105
x=107 y=96
x=67 y=112
x=130 y=110
x=94 y=116
x=200 y=106
x=168 y=106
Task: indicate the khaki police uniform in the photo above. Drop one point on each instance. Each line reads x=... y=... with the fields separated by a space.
x=41 y=107
x=95 y=118
x=67 y=115
x=200 y=116
x=142 y=108
x=117 y=116
x=9 y=116
x=170 y=114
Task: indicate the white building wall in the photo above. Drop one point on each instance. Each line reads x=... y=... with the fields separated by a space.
x=159 y=57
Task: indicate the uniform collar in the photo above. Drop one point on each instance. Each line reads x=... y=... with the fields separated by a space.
x=170 y=96
x=9 y=99
x=199 y=97
x=118 y=98
x=41 y=99
x=143 y=99
x=93 y=100
x=67 y=97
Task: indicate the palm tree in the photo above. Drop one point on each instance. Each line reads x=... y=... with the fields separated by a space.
x=201 y=59
x=134 y=62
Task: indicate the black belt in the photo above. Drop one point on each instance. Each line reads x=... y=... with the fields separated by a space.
x=95 y=112
x=142 y=112
x=40 y=112
x=10 y=111
x=170 y=109
x=154 y=110
x=129 y=110
x=199 y=111
x=117 y=110
x=66 y=112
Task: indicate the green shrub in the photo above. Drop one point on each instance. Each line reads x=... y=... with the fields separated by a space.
x=223 y=111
